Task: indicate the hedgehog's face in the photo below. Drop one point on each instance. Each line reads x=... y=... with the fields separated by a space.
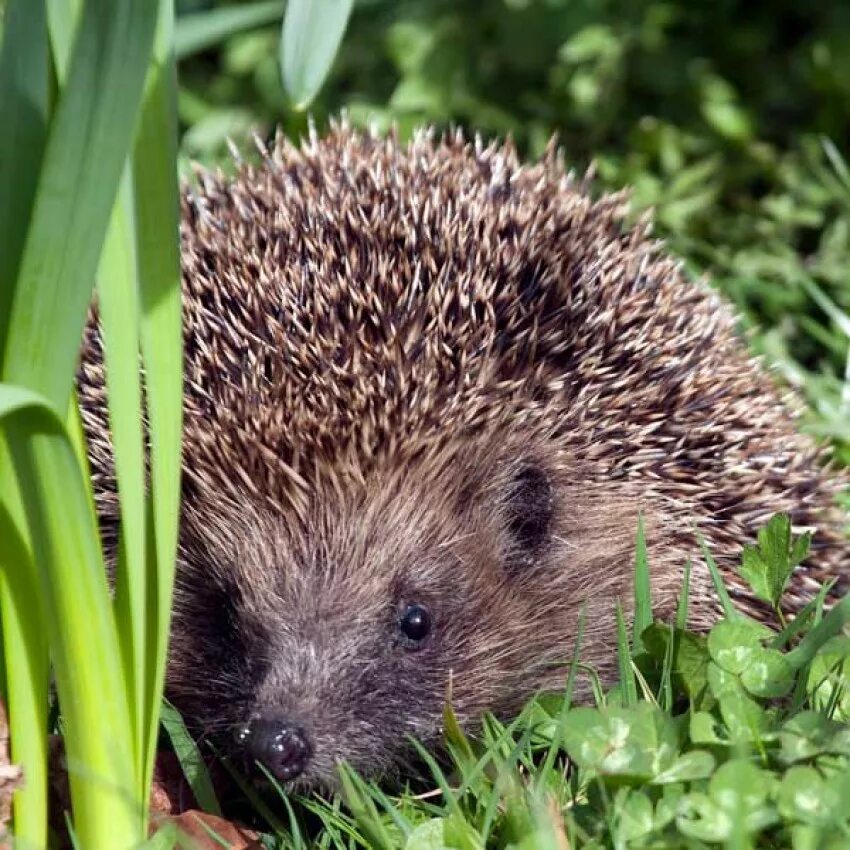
x=343 y=639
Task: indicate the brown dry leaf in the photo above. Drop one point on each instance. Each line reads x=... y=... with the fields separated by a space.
x=11 y=777
x=197 y=825
x=170 y=792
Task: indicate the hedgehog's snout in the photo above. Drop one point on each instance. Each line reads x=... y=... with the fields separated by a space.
x=278 y=744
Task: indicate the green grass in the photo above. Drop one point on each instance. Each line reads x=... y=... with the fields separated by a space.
x=95 y=72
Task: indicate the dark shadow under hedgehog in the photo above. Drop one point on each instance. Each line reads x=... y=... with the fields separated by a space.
x=428 y=392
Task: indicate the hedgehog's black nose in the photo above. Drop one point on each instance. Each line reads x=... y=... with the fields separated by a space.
x=280 y=746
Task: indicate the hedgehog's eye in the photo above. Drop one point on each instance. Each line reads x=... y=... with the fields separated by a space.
x=530 y=507
x=415 y=624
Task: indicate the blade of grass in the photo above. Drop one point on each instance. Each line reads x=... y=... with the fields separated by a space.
x=557 y=739
x=684 y=598
x=72 y=582
x=363 y=808
x=624 y=660
x=87 y=142
x=491 y=812
x=211 y=834
x=831 y=625
x=640 y=682
x=26 y=659
x=455 y=738
x=63 y=16
x=333 y=820
x=665 y=686
x=191 y=761
x=496 y=738
x=25 y=113
x=157 y=216
x=642 y=591
x=836 y=315
x=832 y=310
x=449 y=798
x=803 y=617
x=665 y=689
x=312 y=32
x=200 y=30
x=519 y=755
x=717 y=580
x=837 y=161
x=142 y=630
x=25 y=89
x=835 y=675
x=118 y=303
x=295 y=836
x=258 y=804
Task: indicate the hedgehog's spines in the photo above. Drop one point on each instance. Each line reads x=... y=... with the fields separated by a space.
x=355 y=302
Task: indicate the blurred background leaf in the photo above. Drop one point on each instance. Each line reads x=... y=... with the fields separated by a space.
x=312 y=32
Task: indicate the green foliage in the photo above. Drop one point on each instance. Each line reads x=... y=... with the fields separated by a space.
x=191 y=761
x=753 y=750
x=767 y=567
x=643 y=597
x=85 y=86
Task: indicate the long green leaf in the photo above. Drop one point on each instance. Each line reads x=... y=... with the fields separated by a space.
x=72 y=583
x=624 y=660
x=25 y=650
x=141 y=251
x=24 y=113
x=63 y=16
x=118 y=303
x=312 y=32
x=157 y=226
x=642 y=590
x=832 y=624
x=557 y=739
x=88 y=140
x=191 y=760
x=717 y=580
x=684 y=596
x=140 y=266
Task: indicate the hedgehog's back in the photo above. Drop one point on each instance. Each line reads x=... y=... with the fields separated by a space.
x=355 y=298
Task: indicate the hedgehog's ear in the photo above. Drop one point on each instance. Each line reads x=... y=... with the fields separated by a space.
x=529 y=510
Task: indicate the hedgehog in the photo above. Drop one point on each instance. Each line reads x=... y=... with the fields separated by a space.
x=430 y=391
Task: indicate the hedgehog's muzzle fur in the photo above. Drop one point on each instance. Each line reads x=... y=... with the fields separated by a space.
x=295 y=627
